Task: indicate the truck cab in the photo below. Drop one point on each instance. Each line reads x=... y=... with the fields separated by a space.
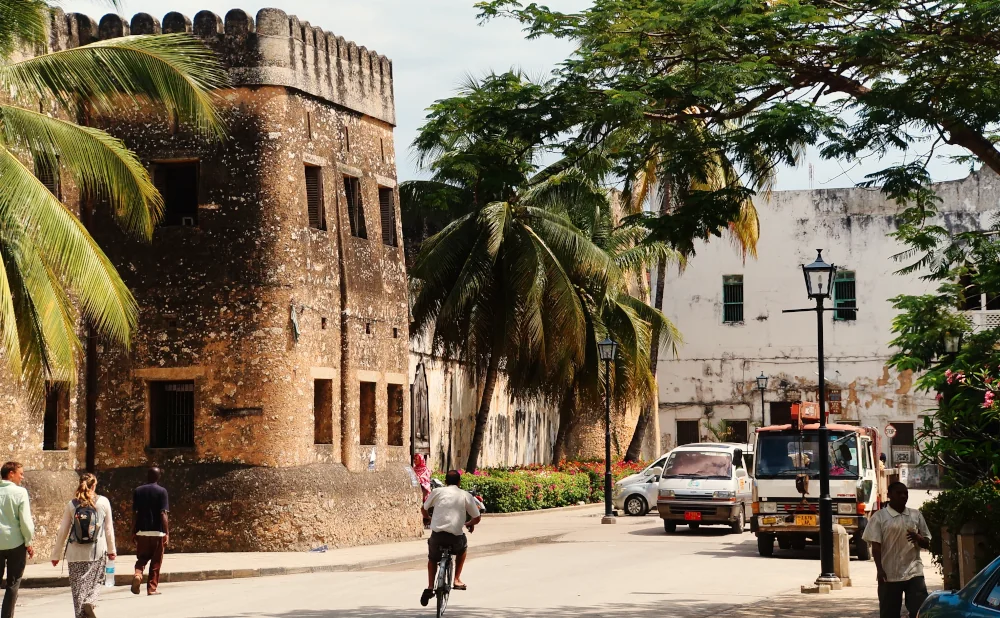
x=787 y=462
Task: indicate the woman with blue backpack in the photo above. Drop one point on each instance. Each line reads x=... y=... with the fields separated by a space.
x=86 y=540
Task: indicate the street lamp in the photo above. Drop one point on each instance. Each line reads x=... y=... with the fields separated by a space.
x=608 y=349
x=762 y=386
x=952 y=342
x=819 y=279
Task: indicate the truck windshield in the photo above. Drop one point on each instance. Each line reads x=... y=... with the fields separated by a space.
x=785 y=455
x=698 y=464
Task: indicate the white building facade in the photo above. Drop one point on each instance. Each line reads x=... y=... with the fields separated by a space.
x=730 y=313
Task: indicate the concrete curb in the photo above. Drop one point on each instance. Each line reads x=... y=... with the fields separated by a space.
x=575 y=507
x=125 y=579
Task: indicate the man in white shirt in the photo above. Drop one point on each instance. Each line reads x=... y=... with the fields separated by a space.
x=451 y=505
x=897 y=535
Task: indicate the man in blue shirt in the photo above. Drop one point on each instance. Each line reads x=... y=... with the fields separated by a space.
x=151 y=530
x=16 y=532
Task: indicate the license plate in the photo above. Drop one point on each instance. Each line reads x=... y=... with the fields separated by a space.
x=805 y=520
x=845 y=521
x=768 y=521
x=692 y=516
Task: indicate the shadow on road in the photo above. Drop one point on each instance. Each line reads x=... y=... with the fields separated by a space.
x=799 y=606
x=683 y=532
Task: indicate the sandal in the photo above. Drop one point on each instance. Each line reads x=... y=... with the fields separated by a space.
x=460 y=587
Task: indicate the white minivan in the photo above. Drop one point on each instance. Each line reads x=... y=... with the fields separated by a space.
x=705 y=483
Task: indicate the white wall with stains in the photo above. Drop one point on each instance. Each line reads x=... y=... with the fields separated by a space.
x=713 y=376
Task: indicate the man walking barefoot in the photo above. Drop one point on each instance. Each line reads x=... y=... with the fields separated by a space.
x=151 y=529
x=897 y=535
x=451 y=504
x=16 y=532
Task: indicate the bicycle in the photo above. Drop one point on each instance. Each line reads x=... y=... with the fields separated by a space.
x=444 y=580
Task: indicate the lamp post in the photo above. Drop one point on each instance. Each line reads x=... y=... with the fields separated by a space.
x=819 y=278
x=952 y=342
x=608 y=349
x=762 y=386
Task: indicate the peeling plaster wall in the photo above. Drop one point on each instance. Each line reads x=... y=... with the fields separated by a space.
x=516 y=434
x=715 y=370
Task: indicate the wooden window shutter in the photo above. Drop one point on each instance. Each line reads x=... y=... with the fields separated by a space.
x=314 y=197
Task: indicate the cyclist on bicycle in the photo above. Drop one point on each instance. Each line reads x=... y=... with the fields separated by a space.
x=451 y=504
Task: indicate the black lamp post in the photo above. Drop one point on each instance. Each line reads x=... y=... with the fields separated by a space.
x=819 y=278
x=952 y=342
x=762 y=386
x=608 y=349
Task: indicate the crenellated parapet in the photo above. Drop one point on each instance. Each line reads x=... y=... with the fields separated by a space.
x=273 y=49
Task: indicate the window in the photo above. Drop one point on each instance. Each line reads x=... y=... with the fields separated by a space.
x=355 y=209
x=171 y=414
x=381 y=143
x=688 y=433
x=387 y=209
x=973 y=298
x=781 y=413
x=394 y=399
x=314 y=197
x=844 y=296
x=322 y=323
x=737 y=431
x=904 y=434
x=368 y=422
x=55 y=425
x=323 y=411
x=48 y=174
x=347 y=139
x=732 y=299
x=178 y=184
x=309 y=125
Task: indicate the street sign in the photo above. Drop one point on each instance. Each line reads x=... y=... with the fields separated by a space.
x=890 y=432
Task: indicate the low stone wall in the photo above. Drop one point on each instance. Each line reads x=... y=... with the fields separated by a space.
x=216 y=508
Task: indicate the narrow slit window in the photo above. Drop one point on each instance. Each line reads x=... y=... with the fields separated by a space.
x=732 y=299
x=309 y=125
x=171 y=414
x=55 y=428
x=47 y=172
x=178 y=184
x=347 y=139
x=387 y=210
x=323 y=411
x=845 y=297
x=369 y=425
x=394 y=399
x=314 y=197
x=355 y=207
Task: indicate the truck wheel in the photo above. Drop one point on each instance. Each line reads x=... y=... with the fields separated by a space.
x=669 y=527
x=694 y=526
x=864 y=550
x=765 y=545
x=740 y=523
x=784 y=542
x=798 y=544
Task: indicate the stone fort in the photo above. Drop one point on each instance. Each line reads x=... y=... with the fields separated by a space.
x=268 y=375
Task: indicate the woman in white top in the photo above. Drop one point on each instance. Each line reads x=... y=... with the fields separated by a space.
x=87 y=559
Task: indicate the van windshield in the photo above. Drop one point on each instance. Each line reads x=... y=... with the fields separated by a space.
x=785 y=455
x=698 y=464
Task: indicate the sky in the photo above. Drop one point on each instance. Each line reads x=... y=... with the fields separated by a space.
x=435 y=44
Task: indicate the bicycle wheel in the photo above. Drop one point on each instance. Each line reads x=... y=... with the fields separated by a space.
x=444 y=585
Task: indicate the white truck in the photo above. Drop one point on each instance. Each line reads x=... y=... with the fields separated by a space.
x=786 y=453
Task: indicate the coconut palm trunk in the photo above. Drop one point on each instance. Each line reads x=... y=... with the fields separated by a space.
x=651 y=407
x=483 y=415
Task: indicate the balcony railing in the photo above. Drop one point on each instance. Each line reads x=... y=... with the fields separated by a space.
x=984 y=319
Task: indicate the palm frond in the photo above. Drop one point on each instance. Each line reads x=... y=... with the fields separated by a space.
x=175 y=71
x=100 y=164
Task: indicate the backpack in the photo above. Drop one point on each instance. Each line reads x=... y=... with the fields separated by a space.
x=85 y=527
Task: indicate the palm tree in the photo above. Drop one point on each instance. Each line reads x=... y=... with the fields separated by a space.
x=50 y=267
x=577 y=190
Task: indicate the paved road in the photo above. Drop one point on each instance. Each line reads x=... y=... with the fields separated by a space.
x=626 y=569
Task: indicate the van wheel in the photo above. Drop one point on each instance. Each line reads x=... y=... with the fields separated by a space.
x=765 y=545
x=635 y=506
x=740 y=523
x=669 y=527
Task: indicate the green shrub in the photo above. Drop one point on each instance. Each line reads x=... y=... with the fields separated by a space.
x=978 y=504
